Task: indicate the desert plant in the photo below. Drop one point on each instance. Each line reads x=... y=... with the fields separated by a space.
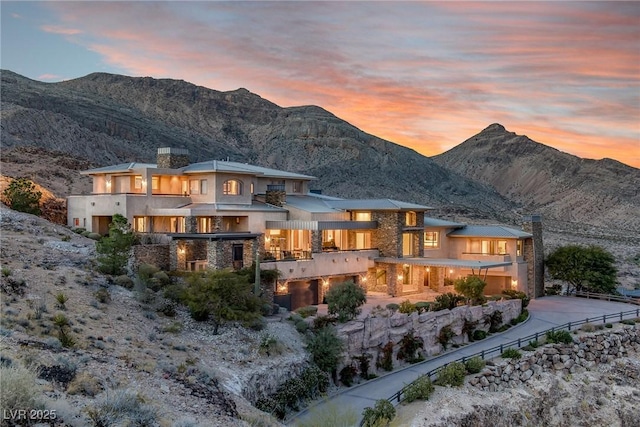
x=84 y=384
x=19 y=388
x=452 y=374
x=345 y=299
x=124 y=281
x=524 y=298
x=423 y=306
x=102 y=295
x=381 y=414
x=407 y=307
x=474 y=365
x=326 y=349
x=114 y=249
x=556 y=337
x=447 y=301
x=120 y=405
x=363 y=365
x=469 y=327
x=270 y=346
x=61 y=300
x=307 y=311
x=420 y=389
x=511 y=353
x=494 y=320
x=445 y=335
x=21 y=195
x=393 y=307
x=409 y=346
x=472 y=287
x=386 y=360
x=6 y=271
x=323 y=321
x=347 y=374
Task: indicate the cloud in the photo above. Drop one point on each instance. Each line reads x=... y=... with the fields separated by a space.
x=50 y=77
x=425 y=75
x=55 y=29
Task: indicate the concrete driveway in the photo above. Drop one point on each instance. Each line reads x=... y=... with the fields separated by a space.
x=545 y=313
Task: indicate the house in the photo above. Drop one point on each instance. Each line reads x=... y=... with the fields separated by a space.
x=220 y=214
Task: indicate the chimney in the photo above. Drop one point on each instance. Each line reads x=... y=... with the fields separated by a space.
x=534 y=255
x=276 y=195
x=172 y=158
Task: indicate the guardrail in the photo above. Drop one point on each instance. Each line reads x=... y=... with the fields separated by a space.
x=520 y=342
x=608 y=297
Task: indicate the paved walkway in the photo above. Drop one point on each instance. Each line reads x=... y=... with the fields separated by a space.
x=545 y=313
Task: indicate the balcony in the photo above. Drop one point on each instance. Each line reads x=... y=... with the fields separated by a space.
x=469 y=256
x=324 y=264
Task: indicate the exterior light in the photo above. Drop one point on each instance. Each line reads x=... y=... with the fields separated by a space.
x=108 y=183
x=451 y=271
x=181 y=251
x=400 y=276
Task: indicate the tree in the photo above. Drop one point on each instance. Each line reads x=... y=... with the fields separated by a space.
x=326 y=349
x=588 y=269
x=221 y=295
x=114 y=249
x=345 y=300
x=21 y=195
x=472 y=287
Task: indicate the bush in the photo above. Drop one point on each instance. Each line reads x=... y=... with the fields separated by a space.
x=307 y=311
x=393 y=307
x=474 y=365
x=21 y=195
x=382 y=413
x=409 y=346
x=608 y=325
x=407 y=307
x=445 y=335
x=511 y=353
x=345 y=300
x=447 y=301
x=347 y=374
x=420 y=389
x=84 y=384
x=479 y=334
x=525 y=299
x=121 y=405
x=123 y=281
x=326 y=349
x=556 y=337
x=494 y=320
x=472 y=287
x=102 y=295
x=302 y=326
x=363 y=365
x=588 y=327
x=386 y=361
x=423 y=306
x=323 y=321
x=19 y=388
x=94 y=236
x=452 y=374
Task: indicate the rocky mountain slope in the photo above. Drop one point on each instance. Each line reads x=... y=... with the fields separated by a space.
x=105 y=119
x=542 y=179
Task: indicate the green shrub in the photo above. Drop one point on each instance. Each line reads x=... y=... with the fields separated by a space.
x=524 y=298
x=345 y=300
x=474 y=365
x=363 y=365
x=102 y=295
x=325 y=348
x=61 y=299
x=307 y=311
x=270 y=346
x=302 y=326
x=423 y=306
x=21 y=195
x=393 y=307
x=19 y=388
x=420 y=389
x=407 y=307
x=556 y=337
x=511 y=353
x=409 y=347
x=79 y=230
x=347 y=374
x=447 y=301
x=119 y=406
x=524 y=315
x=494 y=320
x=163 y=278
x=94 y=236
x=85 y=233
x=323 y=321
x=588 y=327
x=628 y=322
x=469 y=327
x=452 y=374
x=472 y=287
x=386 y=360
x=479 y=334
x=124 y=281
x=381 y=414
x=445 y=335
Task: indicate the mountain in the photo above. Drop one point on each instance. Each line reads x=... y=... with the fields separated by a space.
x=542 y=179
x=105 y=119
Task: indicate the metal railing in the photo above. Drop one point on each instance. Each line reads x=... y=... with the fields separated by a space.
x=396 y=398
x=608 y=297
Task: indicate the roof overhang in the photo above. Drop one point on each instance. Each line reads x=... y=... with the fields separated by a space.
x=443 y=262
x=321 y=225
x=214 y=236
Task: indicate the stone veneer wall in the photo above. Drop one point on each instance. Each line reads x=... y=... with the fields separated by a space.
x=533 y=252
x=220 y=253
x=367 y=336
x=388 y=236
x=157 y=255
x=587 y=351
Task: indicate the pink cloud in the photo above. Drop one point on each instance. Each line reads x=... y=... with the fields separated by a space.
x=53 y=77
x=55 y=29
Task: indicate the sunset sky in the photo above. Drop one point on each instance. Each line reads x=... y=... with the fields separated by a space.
x=427 y=75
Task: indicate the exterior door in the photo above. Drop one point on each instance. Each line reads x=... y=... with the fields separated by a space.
x=237 y=256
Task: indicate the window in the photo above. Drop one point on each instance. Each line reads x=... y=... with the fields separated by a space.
x=155 y=182
x=501 y=246
x=185 y=187
x=518 y=247
x=488 y=247
x=407 y=244
x=139 y=224
x=362 y=216
x=251 y=188
x=431 y=239
x=410 y=219
x=204 y=225
x=203 y=186
x=76 y=222
x=232 y=187
x=363 y=240
x=137 y=182
x=194 y=186
x=407 y=271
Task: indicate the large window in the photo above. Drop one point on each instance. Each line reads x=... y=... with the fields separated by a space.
x=407 y=244
x=232 y=187
x=140 y=224
x=410 y=219
x=432 y=239
x=518 y=247
x=155 y=182
x=137 y=182
x=194 y=186
x=362 y=216
x=363 y=240
x=488 y=247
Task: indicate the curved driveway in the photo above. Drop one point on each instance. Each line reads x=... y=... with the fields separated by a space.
x=545 y=313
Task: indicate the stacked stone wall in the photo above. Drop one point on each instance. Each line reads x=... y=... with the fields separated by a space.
x=157 y=255
x=586 y=351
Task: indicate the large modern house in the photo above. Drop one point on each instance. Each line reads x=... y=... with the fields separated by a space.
x=223 y=214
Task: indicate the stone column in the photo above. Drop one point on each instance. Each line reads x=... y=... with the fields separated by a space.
x=316 y=241
x=533 y=252
x=191 y=224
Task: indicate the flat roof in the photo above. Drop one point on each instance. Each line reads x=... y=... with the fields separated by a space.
x=375 y=205
x=241 y=168
x=489 y=231
x=441 y=223
x=443 y=262
x=119 y=168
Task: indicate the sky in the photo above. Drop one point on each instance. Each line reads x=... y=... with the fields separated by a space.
x=427 y=75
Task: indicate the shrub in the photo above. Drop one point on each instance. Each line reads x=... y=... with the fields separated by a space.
x=409 y=346
x=84 y=384
x=124 y=281
x=323 y=321
x=302 y=326
x=326 y=349
x=121 y=405
x=345 y=300
x=556 y=337
x=270 y=346
x=494 y=320
x=21 y=195
x=19 y=388
x=386 y=361
x=474 y=365
x=469 y=327
x=393 y=307
x=447 y=301
x=363 y=365
x=420 y=389
x=511 y=353
x=472 y=287
x=628 y=322
x=452 y=374
x=94 y=236
x=61 y=300
x=113 y=250
x=445 y=335
x=347 y=374
x=103 y=295
x=524 y=298
x=524 y=315
x=407 y=307
x=307 y=311
x=6 y=271
x=423 y=306
x=588 y=327
x=608 y=325
x=382 y=413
